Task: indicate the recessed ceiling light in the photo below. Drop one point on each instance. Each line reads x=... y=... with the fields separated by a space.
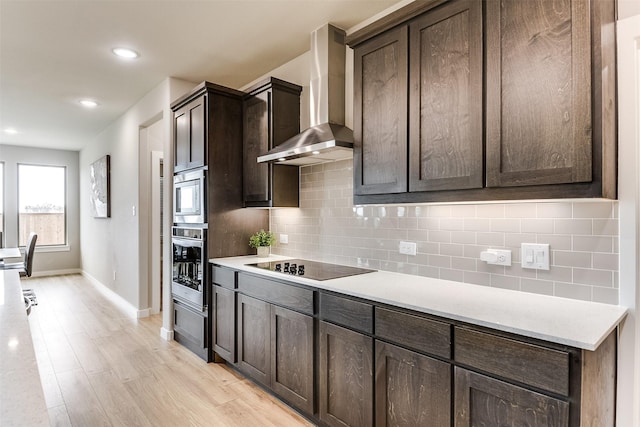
x=123 y=52
x=88 y=103
x=315 y=152
x=10 y=131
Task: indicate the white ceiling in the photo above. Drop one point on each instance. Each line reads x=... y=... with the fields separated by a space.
x=53 y=53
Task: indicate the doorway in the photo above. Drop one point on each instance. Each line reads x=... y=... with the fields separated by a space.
x=156 y=234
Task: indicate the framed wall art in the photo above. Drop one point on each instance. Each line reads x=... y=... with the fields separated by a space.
x=99 y=197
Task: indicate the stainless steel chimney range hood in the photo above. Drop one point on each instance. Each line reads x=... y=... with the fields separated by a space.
x=328 y=139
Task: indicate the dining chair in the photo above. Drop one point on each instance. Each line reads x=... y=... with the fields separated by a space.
x=24 y=267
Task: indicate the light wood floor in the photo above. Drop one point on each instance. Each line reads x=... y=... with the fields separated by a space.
x=100 y=367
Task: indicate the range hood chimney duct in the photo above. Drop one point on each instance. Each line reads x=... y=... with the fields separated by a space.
x=328 y=139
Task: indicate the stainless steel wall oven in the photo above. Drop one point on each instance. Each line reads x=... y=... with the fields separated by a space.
x=188 y=284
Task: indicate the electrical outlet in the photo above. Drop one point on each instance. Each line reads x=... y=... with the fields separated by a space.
x=535 y=255
x=407 y=248
x=284 y=238
x=114 y=275
x=496 y=256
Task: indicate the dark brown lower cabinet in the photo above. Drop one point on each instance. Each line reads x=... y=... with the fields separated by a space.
x=254 y=338
x=411 y=389
x=484 y=401
x=224 y=323
x=190 y=329
x=292 y=357
x=275 y=347
x=346 y=377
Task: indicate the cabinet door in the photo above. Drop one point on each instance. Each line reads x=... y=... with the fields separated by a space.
x=380 y=114
x=346 y=377
x=254 y=338
x=484 y=401
x=411 y=389
x=189 y=136
x=538 y=92
x=224 y=323
x=445 y=131
x=292 y=357
x=257 y=141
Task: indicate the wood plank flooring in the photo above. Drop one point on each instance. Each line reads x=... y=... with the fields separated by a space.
x=100 y=367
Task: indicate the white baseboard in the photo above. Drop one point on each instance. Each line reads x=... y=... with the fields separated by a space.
x=114 y=297
x=143 y=313
x=55 y=272
x=166 y=334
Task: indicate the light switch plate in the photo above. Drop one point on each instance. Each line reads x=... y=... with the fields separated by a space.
x=535 y=255
x=284 y=238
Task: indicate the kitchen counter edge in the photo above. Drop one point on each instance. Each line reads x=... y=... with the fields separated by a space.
x=575 y=323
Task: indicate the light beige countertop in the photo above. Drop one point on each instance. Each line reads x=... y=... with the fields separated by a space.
x=21 y=396
x=580 y=324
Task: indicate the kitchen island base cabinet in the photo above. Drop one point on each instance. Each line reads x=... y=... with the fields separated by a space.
x=346 y=377
x=484 y=401
x=411 y=389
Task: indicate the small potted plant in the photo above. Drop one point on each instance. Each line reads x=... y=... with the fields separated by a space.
x=262 y=240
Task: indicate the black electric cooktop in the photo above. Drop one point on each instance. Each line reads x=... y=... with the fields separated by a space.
x=311 y=269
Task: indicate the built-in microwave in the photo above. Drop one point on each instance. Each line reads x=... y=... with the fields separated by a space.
x=189 y=197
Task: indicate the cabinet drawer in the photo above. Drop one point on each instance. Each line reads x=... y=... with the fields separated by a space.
x=289 y=296
x=224 y=277
x=347 y=312
x=415 y=332
x=530 y=364
x=191 y=325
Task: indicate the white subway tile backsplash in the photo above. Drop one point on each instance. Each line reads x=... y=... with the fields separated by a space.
x=477 y=224
x=603 y=278
x=554 y=210
x=508 y=225
x=605 y=227
x=490 y=239
x=520 y=210
x=543 y=287
x=451 y=249
x=455 y=275
x=583 y=237
x=462 y=263
x=505 y=282
x=593 y=209
x=571 y=259
x=606 y=261
x=538 y=226
x=483 y=279
x=593 y=244
x=573 y=226
x=490 y=211
x=605 y=295
x=570 y=290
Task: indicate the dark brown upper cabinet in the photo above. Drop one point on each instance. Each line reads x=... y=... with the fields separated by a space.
x=208 y=133
x=500 y=100
x=380 y=104
x=189 y=135
x=538 y=93
x=445 y=109
x=271 y=116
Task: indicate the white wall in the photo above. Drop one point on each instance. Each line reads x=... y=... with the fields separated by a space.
x=45 y=261
x=112 y=245
x=629 y=195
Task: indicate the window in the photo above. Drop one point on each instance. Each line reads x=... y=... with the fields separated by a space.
x=41 y=204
